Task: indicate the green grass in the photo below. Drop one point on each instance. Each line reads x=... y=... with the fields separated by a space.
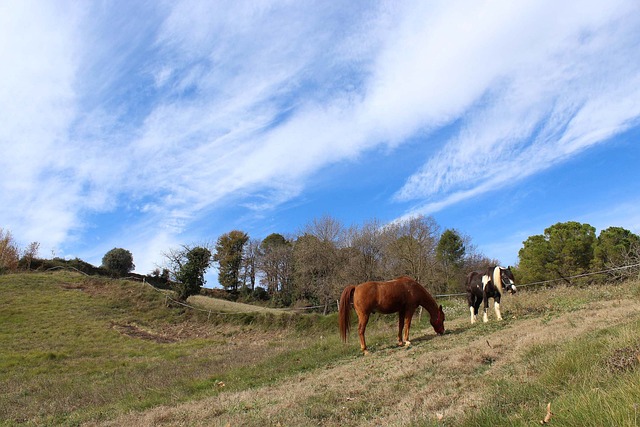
x=65 y=360
x=75 y=349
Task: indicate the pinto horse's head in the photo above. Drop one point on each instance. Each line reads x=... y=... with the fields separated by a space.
x=438 y=322
x=507 y=279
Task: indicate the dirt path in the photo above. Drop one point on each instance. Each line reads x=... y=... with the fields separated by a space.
x=437 y=376
x=220 y=305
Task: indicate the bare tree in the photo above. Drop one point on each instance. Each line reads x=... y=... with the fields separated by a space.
x=9 y=252
x=627 y=266
x=29 y=254
x=316 y=265
x=367 y=247
x=326 y=229
x=275 y=263
x=250 y=263
x=411 y=249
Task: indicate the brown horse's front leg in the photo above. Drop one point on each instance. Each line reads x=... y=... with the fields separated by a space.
x=407 y=326
x=362 y=327
x=400 y=327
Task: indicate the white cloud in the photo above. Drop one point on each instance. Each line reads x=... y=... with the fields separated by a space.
x=572 y=88
x=37 y=102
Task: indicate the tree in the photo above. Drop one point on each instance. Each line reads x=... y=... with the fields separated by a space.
x=317 y=259
x=367 y=244
x=450 y=253
x=190 y=275
x=630 y=259
x=29 y=254
x=250 y=264
x=565 y=250
x=118 y=261
x=450 y=250
x=9 y=252
x=228 y=255
x=275 y=262
x=534 y=257
x=411 y=249
x=613 y=246
x=316 y=263
x=572 y=245
x=326 y=228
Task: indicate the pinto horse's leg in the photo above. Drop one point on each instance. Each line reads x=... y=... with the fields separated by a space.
x=485 y=301
x=496 y=306
x=363 y=318
x=400 y=327
x=475 y=306
x=471 y=300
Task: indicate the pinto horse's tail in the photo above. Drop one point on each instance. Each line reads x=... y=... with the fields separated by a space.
x=344 y=316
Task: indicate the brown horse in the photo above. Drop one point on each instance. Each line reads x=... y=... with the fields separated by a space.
x=402 y=295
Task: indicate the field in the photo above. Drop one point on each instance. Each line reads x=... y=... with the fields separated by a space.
x=96 y=352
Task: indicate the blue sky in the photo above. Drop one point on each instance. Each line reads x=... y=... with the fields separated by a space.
x=147 y=125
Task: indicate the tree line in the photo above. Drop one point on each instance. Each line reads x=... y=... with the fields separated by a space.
x=569 y=249
x=312 y=266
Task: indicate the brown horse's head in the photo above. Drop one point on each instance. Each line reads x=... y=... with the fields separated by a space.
x=438 y=322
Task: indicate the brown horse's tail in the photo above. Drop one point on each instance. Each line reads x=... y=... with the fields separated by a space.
x=344 y=315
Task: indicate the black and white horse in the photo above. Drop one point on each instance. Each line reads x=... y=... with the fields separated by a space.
x=481 y=287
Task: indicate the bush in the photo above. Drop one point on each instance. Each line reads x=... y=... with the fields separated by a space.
x=118 y=262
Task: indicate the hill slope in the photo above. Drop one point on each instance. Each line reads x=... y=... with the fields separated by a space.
x=110 y=353
x=449 y=380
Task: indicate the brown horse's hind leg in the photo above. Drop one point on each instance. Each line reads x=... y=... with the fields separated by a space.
x=362 y=327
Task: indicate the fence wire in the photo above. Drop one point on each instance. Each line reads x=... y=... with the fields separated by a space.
x=559 y=279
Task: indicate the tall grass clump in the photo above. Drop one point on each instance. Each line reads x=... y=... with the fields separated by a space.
x=593 y=380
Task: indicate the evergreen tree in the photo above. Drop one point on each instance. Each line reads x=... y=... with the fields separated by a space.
x=613 y=246
x=566 y=249
x=450 y=253
x=450 y=250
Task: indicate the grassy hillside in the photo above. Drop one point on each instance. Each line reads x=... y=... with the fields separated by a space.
x=83 y=351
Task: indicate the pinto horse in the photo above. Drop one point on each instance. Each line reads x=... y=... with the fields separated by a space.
x=402 y=295
x=481 y=287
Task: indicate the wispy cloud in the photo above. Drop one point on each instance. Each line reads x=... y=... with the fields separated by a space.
x=564 y=87
x=165 y=112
